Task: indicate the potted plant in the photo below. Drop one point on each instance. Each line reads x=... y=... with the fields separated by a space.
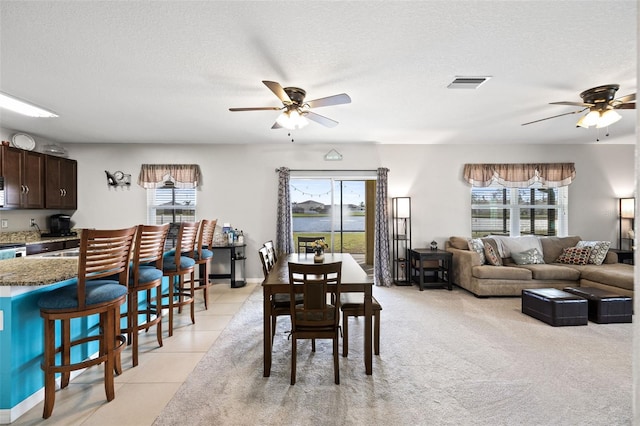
x=319 y=247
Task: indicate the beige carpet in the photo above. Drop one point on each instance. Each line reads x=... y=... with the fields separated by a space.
x=447 y=358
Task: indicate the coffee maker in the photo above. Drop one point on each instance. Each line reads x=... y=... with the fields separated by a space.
x=59 y=226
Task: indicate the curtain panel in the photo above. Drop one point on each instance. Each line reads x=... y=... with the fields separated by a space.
x=182 y=175
x=520 y=175
x=284 y=221
x=381 y=264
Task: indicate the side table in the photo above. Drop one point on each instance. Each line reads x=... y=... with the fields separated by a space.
x=624 y=256
x=434 y=264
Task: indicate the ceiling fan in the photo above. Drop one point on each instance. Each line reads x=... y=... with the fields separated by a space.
x=295 y=110
x=601 y=103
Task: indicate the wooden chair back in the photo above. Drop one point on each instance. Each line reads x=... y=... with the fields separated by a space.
x=103 y=254
x=271 y=249
x=305 y=244
x=186 y=241
x=315 y=281
x=264 y=260
x=149 y=247
x=205 y=235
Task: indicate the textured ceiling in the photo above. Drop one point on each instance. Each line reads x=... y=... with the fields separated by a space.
x=167 y=72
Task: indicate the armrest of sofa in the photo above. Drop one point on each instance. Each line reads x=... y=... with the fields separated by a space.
x=463 y=261
x=611 y=257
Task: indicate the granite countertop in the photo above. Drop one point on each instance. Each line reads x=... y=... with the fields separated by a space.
x=37 y=271
x=33 y=237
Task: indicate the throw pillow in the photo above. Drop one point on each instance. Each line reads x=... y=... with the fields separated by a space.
x=599 y=250
x=475 y=244
x=528 y=257
x=575 y=255
x=491 y=254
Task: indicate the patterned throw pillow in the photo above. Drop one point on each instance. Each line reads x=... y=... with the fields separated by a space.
x=599 y=250
x=528 y=257
x=475 y=244
x=493 y=258
x=575 y=255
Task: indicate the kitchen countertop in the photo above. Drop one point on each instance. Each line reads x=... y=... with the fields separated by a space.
x=37 y=271
x=33 y=237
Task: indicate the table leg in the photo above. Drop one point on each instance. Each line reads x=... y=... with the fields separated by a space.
x=421 y=274
x=267 y=330
x=368 y=317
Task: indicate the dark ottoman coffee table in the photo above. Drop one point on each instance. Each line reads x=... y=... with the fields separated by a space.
x=605 y=306
x=555 y=307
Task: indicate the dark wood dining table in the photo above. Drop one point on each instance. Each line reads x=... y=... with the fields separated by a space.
x=354 y=279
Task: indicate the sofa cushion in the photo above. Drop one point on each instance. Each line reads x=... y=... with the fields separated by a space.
x=575 y=255
x=460 y=243
x=552 y=272
x=508 y=245
x=501 y=272
x=475 y=244
x=528 y=257
x=614 y=274
x=599 y=250
x=491 y=255
x=552 y=246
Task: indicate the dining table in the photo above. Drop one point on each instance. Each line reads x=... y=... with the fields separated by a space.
x=353 y=280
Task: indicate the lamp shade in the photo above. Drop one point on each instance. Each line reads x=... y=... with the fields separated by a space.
x=607 y=118
x=403 y=207
x=627 y=208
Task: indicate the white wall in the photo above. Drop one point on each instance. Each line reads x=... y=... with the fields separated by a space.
x=240 y=183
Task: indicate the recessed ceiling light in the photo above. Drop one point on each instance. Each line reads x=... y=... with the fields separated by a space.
x=467 y=82
x=24 y=108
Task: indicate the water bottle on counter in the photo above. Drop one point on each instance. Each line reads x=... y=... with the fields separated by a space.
x=241 y=237
x=230 y=236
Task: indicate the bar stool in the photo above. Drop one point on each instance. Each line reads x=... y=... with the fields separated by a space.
x=352 y=305
x=145 y=276
x=101 y=288
x=203 y=255
x=177 y=264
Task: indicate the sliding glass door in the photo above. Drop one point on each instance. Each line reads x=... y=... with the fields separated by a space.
x=333 y=209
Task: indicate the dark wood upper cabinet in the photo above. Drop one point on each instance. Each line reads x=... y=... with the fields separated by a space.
x=61 y=183
x=23 y=173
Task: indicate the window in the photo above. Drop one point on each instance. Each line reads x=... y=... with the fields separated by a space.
x=519 y=211
x=173 y=205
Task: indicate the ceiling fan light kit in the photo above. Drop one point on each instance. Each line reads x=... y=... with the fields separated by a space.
x=295 y=111
x=601 y=103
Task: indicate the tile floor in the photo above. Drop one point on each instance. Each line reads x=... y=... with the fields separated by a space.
x=142 y=392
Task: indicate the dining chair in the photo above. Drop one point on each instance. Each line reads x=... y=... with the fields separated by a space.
x=146 y=278
x=100 y=289
x=176 y=264
x=305 y=244
x=202 y=254
x=352 y=305
x=315 y=317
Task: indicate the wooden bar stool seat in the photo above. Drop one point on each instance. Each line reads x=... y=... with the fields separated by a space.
x=352 y=305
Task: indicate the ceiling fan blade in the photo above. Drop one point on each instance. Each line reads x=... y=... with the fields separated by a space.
x=628 y=98
x=626 y=106
x=555 y=116
x=582 y=104
x=256 y=109
x=342 y=98
x=320 y=119
x=277 y=89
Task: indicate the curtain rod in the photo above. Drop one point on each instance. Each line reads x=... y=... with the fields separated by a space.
x=328 y=170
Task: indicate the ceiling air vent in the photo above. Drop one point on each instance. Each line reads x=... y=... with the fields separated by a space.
x=467 y=82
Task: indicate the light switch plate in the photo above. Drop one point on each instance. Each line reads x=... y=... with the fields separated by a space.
x=5 y=223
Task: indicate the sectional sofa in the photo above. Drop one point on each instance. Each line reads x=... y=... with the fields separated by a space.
x=471 y=269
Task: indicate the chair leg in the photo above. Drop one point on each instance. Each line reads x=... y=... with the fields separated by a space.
x=294 y=345
x=49 y=360
x=171 y=282
x=204 y=277
x=132 y=325
x=193 y=297
x=108 y=341
x=158 y=313
x=65 y=342
x=336 y=363
x=376 y=333
x=345 y=334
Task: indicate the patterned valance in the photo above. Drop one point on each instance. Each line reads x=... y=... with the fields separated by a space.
x=182 y=175
x=523 y=175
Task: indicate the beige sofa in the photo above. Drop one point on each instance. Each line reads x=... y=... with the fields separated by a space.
x=510 y=279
